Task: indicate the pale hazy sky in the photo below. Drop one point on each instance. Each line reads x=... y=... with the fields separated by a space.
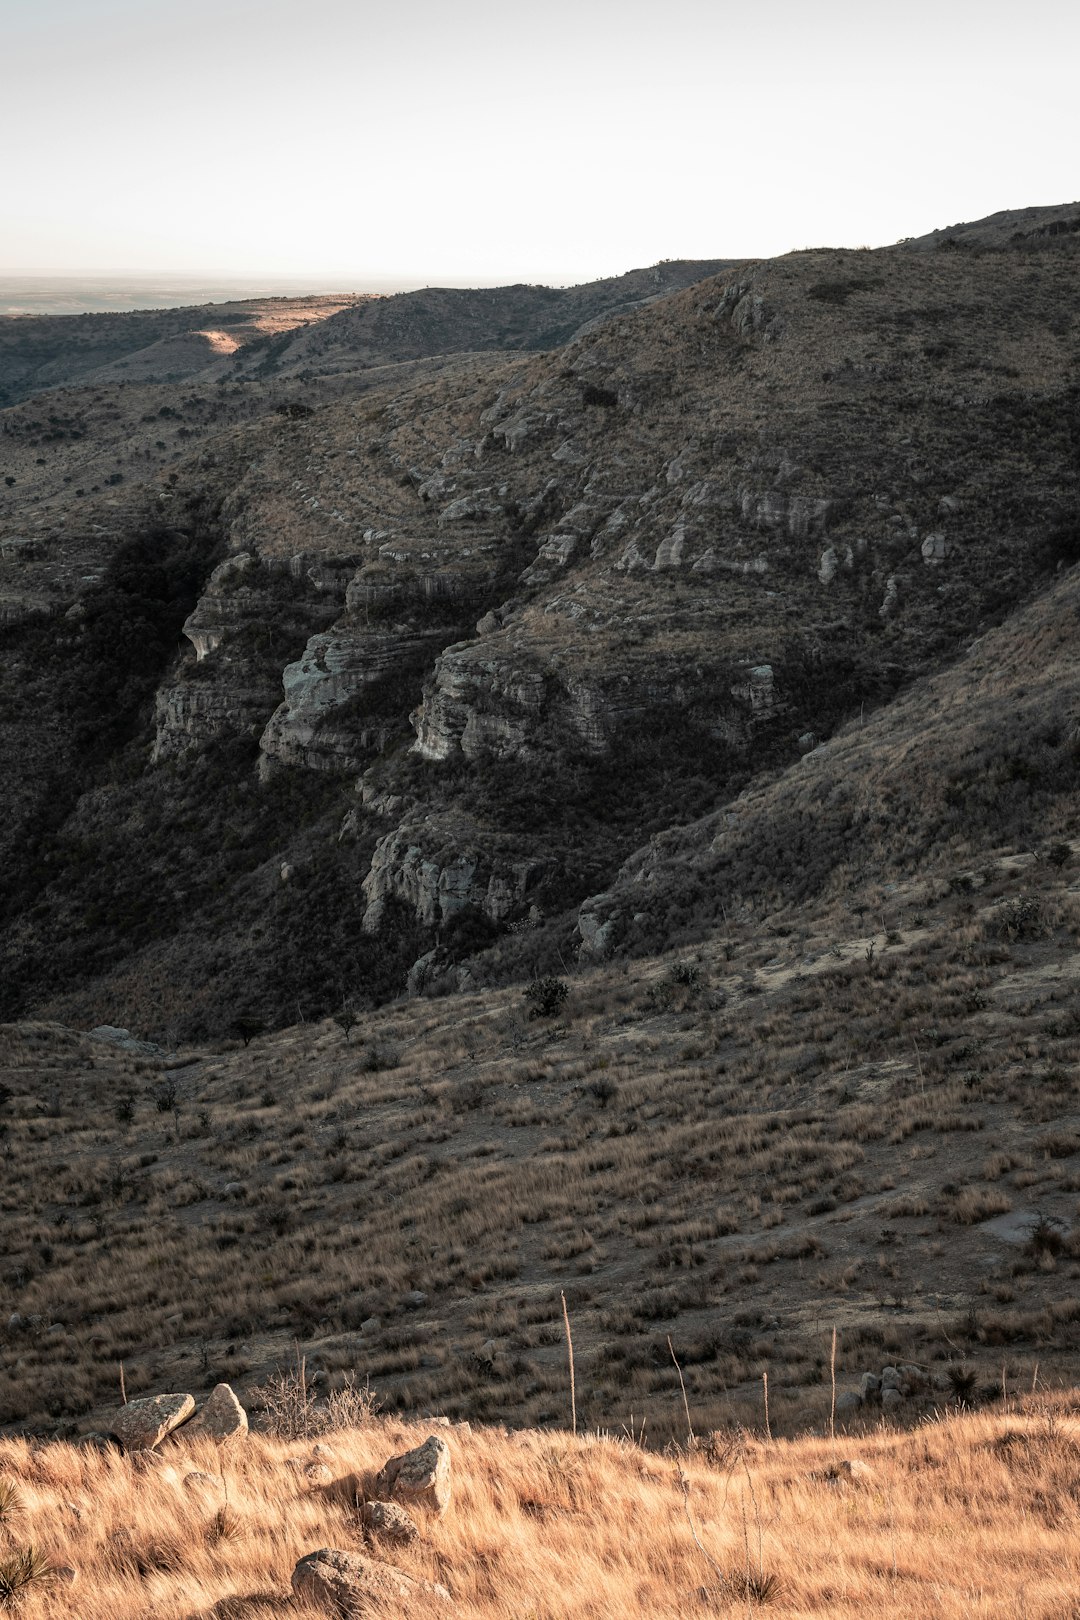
x=488 y=141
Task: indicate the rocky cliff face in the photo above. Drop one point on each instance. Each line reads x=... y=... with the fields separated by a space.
x=487 y=701
x=548 y=606
x=439 y=871
x=228 y=683
x=344 y=697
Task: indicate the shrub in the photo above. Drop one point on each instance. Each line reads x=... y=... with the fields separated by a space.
x=246 y=1028
x=962 y=1382
x=546 y=997
x=20 y=1570
x=289 y=1405
x=346 y=1020
x=10 y=1502
x=1046 y=1236
x=166 y=1095
x=687 y=974
x=1020 y=918
x=293 y=1411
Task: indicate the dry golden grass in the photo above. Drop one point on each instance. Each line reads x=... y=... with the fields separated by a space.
x=971 y=1515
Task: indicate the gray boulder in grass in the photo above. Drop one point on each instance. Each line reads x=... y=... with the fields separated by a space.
x=420 y=1477
x=352 y=1586
x=388 y=1522
x=220 y=1418
x=141 y=1425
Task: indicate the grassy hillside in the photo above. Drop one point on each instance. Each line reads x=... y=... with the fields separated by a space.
x=972 y=1515
x=740 y=1146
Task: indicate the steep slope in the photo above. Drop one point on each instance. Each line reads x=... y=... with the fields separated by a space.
x=609 y=585
x=441 y=320
x=1007 y=228
x=981 y=758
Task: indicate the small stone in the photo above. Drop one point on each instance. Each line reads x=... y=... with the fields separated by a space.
x=370 y=1324
x=353 y=1586
x=205 y=1485
x=389 y=1522
x=143 y=1424
x=891 y=1398
x=415 y=1299
x=220 y=1418
x=421 y=1476
x=317 y=1473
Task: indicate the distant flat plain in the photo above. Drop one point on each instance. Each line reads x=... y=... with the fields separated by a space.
x=27 y=294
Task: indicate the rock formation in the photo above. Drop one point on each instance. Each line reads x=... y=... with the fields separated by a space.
x=352 y=1586
x=221 y=1417
x=143 y=1424
x=420 y=1477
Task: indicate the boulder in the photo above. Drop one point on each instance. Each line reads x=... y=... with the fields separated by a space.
x=869 y=1385
x=849 y=1471
x=388 y=1522
x=849 y=1401
x=141 y=1425
x=221 y=1418
x=126 y=1041
x=206 y=1487
x=421 y=1476
x=891 y=1398
x=350 y=1585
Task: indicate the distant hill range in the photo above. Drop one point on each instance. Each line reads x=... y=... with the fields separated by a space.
x=263 y=337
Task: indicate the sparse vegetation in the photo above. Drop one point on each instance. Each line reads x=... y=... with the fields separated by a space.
x=541 y=1524
x=712 y=952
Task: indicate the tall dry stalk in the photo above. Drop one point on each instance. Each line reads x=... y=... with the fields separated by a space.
x=570 y=1358
x=832 y=1380
x=690 y=1437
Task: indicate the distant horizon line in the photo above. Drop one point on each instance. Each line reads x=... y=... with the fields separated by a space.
x=344 y=280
